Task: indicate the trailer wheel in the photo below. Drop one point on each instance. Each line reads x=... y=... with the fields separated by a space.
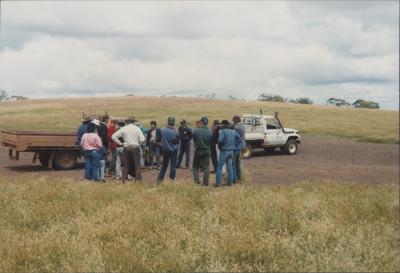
x=247 y=152
x=65 y=160
x=44 y=158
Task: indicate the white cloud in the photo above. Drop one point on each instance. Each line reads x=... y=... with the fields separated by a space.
x=239 y=48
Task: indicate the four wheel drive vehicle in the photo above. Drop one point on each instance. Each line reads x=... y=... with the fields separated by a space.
x=263 y=131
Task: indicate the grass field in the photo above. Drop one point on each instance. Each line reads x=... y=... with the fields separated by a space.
x=361 y=124
x=65 y=225
x=61 y=224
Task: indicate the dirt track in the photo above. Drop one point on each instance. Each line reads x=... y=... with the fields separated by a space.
x=319 y=158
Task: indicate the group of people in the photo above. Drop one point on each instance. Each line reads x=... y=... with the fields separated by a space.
x=129 y=147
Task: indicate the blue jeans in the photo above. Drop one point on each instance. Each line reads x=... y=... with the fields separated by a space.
x=184 y=148
x=225 y=157
x=154 y=152
x=167 y=157
x=102 y=168
x=92 y=164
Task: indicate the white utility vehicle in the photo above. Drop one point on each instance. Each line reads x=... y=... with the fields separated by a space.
x=267 y=132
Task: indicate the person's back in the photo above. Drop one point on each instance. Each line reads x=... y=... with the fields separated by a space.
x=91 y=141
x=80 y=132
x=131 y=134
x=169 y=139
x=226 y=139
x=202 y=138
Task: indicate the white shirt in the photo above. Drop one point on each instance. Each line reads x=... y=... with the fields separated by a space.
x=131 y=134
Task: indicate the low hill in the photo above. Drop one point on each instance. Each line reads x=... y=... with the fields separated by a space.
x=65 y=114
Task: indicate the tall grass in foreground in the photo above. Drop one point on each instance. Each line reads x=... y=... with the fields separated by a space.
x=65 y=114
x=65 y=225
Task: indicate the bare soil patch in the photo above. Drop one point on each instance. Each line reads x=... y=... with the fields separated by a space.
x=318 y=158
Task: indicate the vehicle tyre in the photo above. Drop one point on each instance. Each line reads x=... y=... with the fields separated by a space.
x=44 y=158
x=291 y=147
x=65 y=160
x=247 y=152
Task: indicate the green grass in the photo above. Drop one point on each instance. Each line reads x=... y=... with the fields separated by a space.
x=65 y=225
x=379 y=126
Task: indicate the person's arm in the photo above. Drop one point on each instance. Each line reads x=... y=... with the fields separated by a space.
x=158 y=136
x=141 y=136
x=190 y=133
x=221 y=137
x=83 y=140
x=97 y=141
x=115 y=137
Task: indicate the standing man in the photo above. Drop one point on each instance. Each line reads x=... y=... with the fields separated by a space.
x=239 y=146
x=214 y=142
x=132 y=136
x=185 y=136
x=226 y=142
x=169 y=138
x=202 y=142
x=152 y=146
x=112 y=128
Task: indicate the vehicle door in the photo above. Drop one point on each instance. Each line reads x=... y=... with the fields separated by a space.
x=274 y=134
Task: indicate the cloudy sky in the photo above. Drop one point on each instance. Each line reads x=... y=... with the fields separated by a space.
x=315 y=49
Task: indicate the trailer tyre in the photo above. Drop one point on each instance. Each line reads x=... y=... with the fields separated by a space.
x=291 y=147
x=65 y=160
x=44 y=158
x=247 y=152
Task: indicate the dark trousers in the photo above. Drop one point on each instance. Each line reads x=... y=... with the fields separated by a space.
x=201 y=158
x=237 y=168
x=167 y=157
x=214 y=157
x=184 y=148
x=131 y=162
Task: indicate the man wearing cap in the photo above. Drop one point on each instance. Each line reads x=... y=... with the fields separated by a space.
x=132 y=137
x=226 y=142
x=239 y=146
x=202 y=143
x=169 y=138
x=185 y=135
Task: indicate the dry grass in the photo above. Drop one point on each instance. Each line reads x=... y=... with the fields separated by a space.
x=360 y=124
x=65 y=225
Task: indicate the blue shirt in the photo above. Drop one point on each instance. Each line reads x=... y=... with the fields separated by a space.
x=242 y=133
x=226 y=139
x=81 y=131
x=169 y=139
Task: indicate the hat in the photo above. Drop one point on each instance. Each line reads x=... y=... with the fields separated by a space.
x=96 y=121
x=171 y=121
x=87 y=119
x=236 y=118
x=183 y=122
x=204 y=120
x=131 y=119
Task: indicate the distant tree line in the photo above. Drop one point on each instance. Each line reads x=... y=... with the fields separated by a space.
x=5 y=97
x=278 y=98
x=360 y=103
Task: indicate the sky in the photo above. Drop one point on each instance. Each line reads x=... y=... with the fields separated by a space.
x=315 y=49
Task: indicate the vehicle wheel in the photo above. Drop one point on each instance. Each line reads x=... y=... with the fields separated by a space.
x=247 y=152
x=291 y=147
x=65 y=160
x=44 y=158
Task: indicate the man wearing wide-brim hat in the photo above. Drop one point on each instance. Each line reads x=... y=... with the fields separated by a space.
x=82 y=129
x=132 y=137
